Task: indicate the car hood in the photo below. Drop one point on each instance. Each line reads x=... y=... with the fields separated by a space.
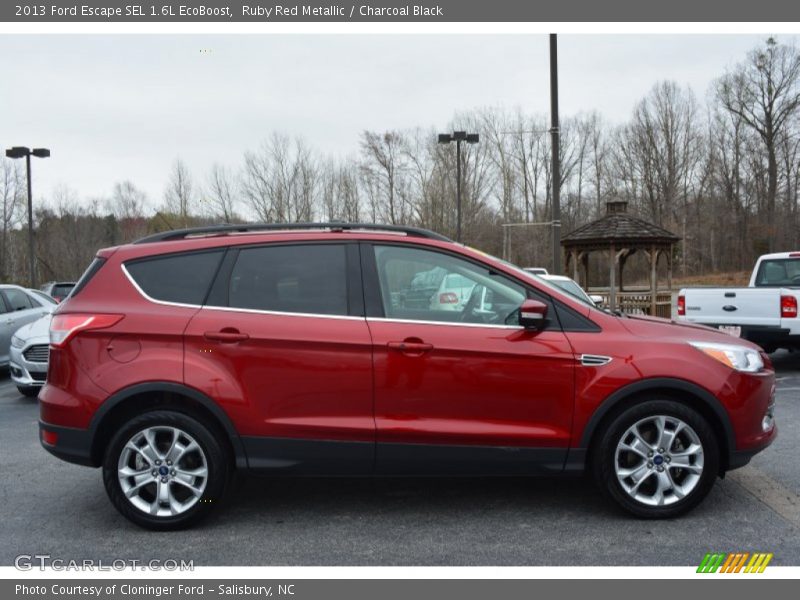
x=40 y=328
x=656 y=327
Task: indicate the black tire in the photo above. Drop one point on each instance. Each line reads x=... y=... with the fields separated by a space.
x=218 y=464
x=29 y=391
x=604 y=460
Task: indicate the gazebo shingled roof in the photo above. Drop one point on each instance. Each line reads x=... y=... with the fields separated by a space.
x=622 y=235
x=621 y=228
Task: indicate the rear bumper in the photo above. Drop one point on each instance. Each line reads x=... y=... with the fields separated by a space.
x=70 y=444
x=765 y=336
x=771 y=336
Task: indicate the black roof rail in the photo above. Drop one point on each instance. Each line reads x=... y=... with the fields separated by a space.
x=179 y=234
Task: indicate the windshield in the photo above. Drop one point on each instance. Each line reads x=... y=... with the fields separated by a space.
x=43 y=297
x=777 y=272
x=572 y=288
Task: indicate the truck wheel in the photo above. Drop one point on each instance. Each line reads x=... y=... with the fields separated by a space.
x=165 y=470
x=657 y=459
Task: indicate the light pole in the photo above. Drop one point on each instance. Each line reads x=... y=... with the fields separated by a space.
x=24 y=152
x=555 y=131
x=458 y=137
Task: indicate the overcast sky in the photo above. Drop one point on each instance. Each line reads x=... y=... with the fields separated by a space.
x=124 y=107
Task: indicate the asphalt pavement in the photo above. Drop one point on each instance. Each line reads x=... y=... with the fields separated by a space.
x=51 y=507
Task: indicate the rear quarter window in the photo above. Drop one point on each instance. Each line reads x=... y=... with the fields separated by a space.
x=90 y=272
x=181 y=278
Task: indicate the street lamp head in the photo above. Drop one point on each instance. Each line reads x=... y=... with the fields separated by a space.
x=473 y=138
x=41 y=152
x=17 y=152
x=445 y=138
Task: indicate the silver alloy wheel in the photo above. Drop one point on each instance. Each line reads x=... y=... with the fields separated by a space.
x=162 y=471
x=659 y=460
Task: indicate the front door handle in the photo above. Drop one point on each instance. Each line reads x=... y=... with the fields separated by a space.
x=411 y=347
x=229 y=335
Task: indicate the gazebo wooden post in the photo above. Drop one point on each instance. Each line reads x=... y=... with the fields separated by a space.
x=612 y=274
x=653 y=280
x=575 y=265
x=585 y=261
x=669 y=268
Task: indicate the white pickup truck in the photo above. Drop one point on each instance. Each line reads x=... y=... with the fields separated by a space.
x=765 y=312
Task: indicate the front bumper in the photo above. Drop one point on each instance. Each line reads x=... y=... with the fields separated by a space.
x=67 y=443
x=25 y=373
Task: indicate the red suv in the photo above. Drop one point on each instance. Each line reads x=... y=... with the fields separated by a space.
x=322 y=349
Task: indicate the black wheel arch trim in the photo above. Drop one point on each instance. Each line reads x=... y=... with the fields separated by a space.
x=662 y=383
x=174 y=388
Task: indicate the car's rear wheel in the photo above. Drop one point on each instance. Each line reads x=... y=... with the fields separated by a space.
x=30 y=391
x=657 y=459
x=165 y=470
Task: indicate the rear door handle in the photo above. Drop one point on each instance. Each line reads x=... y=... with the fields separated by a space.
x=410 y=347
x=226 y=336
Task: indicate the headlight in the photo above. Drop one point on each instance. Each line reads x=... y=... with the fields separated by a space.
x=736 y=357
x=17 y=342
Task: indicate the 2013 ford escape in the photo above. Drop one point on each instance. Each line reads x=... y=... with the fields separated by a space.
x=316 y=349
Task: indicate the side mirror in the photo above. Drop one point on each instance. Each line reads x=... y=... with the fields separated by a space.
x=532 y=314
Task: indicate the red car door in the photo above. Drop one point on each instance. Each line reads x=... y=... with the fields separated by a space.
x=283 y=346
x=459 y=386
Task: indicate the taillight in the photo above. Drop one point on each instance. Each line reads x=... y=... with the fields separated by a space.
x=682 y=305
x=448 y=298
x=788 y=307
x=49 y=438
x=64 y=327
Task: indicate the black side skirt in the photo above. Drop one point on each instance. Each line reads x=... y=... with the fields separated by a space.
x=295 y=457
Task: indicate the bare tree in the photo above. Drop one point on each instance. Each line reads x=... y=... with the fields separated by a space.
x=11 y=191
x=763 y=91
x=222 y=193
x=179 y=194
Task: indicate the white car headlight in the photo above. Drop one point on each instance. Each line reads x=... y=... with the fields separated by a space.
x=17 y=342
x=734 y=356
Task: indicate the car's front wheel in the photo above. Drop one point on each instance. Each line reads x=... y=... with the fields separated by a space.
x=657 y=459
x=29 y=391
x=165 y=470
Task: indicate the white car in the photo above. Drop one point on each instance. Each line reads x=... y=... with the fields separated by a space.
x=453 y=292
x=18 y=307
x=536 y=270
x=29 y=355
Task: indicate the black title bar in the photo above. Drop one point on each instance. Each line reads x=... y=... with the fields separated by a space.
x=396 y=11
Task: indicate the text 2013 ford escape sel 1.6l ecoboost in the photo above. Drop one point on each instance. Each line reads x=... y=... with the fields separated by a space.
x=318 y=350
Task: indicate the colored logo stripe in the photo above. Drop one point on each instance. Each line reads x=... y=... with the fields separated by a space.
x=734 y=562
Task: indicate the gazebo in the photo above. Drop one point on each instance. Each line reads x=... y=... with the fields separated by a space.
x=620 y=235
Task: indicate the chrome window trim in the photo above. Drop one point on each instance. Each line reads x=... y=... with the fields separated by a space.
x=232 y=308
x=445 y=323
x=279 y=313
x=309 y=315
x=150 y=298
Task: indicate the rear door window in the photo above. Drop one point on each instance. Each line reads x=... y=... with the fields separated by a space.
x=304 y=279
x=180 y=278
x=17 y=300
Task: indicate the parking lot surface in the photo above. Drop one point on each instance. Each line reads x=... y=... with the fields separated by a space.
x=51 y=507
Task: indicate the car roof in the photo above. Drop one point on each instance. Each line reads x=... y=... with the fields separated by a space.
x=793 y=254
